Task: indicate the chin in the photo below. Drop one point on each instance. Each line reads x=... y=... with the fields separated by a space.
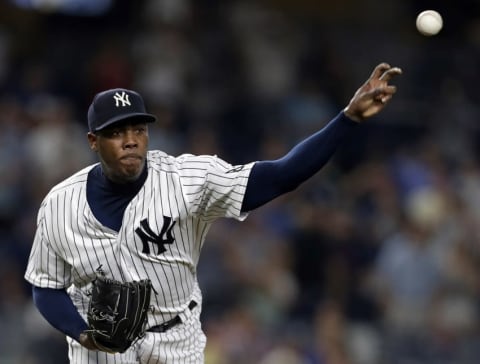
x=127 y=174
x=131 y=176
x=132 y=171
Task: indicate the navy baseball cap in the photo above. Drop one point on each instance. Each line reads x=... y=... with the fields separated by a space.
x=115 y=105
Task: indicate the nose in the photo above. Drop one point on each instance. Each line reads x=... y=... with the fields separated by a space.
x=130 y=140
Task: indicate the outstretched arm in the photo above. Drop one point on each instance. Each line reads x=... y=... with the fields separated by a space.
x=270 y=179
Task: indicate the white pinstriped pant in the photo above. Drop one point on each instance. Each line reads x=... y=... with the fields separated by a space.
x=182 y=344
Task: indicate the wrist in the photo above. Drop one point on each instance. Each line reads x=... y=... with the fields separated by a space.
x=352 y=116
x=86 y=341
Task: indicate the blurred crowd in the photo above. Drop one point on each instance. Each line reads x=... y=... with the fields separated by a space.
x=375 y=260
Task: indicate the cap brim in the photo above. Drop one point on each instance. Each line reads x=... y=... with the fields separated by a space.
x=148 y=118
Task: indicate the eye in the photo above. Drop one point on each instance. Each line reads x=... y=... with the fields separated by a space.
x=115 y=133
x=140 y=129
x=110 y=133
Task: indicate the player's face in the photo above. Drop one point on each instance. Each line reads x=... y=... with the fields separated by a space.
x=122 y=150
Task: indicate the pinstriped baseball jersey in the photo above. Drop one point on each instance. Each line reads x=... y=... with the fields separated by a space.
x=162 y=232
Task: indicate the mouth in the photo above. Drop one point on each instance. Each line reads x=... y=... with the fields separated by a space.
x=131 y=157
x=131 y=161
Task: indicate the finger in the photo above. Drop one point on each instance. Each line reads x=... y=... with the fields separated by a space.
x=380 y=98
x=389 y=74
x=380 y=70
x=389 y=90
x=380 y=92
x=383 y=94
x=385 y=99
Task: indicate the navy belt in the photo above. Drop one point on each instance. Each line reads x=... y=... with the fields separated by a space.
x=167 y=325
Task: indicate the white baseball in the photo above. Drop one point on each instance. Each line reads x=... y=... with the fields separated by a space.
x=429 y=22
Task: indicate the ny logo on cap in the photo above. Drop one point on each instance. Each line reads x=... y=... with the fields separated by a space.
x=121 y=99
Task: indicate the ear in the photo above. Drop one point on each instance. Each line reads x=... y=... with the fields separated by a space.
x=92 y=140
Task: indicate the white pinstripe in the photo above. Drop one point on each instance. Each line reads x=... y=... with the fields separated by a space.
x=70 y=244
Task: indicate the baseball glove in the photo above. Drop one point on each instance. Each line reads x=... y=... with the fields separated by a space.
x=117 y=313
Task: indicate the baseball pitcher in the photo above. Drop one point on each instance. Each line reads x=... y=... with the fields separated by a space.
x=114 y=258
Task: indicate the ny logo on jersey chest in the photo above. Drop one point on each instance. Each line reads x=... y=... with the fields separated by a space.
x=147 y=235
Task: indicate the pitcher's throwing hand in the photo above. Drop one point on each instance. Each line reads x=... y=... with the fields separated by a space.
x=374 y=94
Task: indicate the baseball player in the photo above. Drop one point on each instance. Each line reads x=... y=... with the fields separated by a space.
x=142 y=214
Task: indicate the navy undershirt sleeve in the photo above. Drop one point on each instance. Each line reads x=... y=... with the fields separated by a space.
x=58 y=309
x=270 y=179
